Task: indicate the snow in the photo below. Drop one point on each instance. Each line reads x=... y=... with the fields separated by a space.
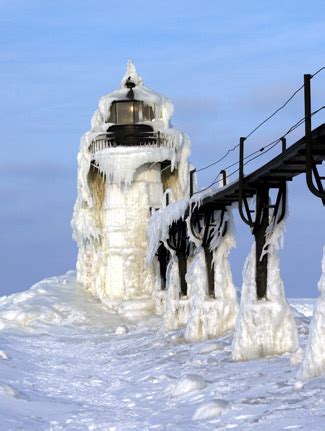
x=313 y=364
x=264 y=326
x=117 y=189
x=187 y=384
x=69 y=370
x=210 y=410
x=3 y=355
x=121 y=330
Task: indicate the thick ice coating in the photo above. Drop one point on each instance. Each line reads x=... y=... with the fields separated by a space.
x=313 y=364
x=212 y=316
x=264 y=327
x=118 y=186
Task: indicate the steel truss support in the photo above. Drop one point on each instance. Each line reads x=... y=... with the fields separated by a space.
x=179 y=242
x=311 y=165
x=266 y=216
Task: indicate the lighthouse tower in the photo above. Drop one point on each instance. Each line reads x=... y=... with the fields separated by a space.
x=129 y=160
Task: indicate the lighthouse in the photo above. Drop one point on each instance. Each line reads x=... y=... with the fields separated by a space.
x=130 y=162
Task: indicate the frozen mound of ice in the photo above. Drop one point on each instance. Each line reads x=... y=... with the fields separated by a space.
x=210 y=410
x=264 y=327
x=212 y=317
x=313 y=364
x=53 y=302
x=187 y=384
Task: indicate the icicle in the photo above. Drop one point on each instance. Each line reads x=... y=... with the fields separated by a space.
x=196 y=276
x=177 y=308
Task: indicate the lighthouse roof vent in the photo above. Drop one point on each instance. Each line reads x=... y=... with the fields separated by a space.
x=131 y=75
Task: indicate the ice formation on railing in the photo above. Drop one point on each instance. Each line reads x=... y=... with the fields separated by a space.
x=160 y=221
x=117 y=188
x=203 y=316
x=313 y=364
x=264 y=327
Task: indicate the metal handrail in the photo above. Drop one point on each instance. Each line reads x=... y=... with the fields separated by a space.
x=110 y=139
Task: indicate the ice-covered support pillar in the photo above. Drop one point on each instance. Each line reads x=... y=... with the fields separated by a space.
x=178 y=241
x=213 y=311
x=202 y=227
x=208 y=254
x=313 y=364
x=177 y=305
x=177 y=300
x=266 y=326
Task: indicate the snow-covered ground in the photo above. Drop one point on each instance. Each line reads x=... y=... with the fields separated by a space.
x=67 y=363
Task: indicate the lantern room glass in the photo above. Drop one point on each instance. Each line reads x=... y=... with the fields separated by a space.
x=130 y=112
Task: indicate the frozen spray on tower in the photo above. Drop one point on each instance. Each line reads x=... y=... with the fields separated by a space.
x=129 y=160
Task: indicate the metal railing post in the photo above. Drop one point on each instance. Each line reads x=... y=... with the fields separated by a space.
x=191 y=182
x=223 y=174
x=310 y=165
x=241 y=182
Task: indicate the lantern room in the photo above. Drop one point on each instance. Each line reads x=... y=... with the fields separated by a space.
x=129 y=123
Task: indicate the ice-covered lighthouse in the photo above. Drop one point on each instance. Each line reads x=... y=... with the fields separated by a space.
x=129 y=160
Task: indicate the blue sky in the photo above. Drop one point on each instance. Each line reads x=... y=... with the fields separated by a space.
x=225 y=65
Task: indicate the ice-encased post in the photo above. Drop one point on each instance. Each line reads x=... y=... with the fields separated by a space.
x=259 y=225
x=182 y=267
x=163 y=259
x=259 y=232
x=210 y=270
x=181 y=254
